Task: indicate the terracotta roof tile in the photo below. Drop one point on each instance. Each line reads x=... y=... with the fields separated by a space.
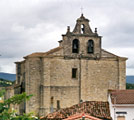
x=40 y=54
x=122 y=96
x=53 y=50
x=92 y=108
x=76 y=116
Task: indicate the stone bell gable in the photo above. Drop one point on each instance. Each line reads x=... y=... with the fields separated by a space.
x=81 y=41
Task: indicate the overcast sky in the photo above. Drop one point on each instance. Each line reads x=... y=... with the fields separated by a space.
x=28 y=26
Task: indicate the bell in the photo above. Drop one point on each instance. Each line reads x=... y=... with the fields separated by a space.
x=75 y=46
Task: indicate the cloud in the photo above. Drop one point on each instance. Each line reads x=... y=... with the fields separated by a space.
x=28 y=26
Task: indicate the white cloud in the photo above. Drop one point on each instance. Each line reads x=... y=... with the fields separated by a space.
x=28 y=26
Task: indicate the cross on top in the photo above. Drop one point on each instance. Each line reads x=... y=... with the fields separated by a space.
x=81 y=10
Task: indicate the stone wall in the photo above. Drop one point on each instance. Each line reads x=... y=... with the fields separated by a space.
x=97 y=77
x=94 y=77
x=32 y=84
x=83 y=40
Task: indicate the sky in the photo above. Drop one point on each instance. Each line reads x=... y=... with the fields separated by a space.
x=28 y=26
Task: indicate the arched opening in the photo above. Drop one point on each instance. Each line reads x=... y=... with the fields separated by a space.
x=75 y=46
x=90 y=46
x=82 y=28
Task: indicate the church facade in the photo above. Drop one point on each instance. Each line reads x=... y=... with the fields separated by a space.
x=78 y=70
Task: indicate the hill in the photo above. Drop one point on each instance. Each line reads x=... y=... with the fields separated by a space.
x=130 y=79
x=5 y=83
x=8 y=76
x=12 y=77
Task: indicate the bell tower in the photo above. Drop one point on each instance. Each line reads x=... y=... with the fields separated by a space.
x=82 y=41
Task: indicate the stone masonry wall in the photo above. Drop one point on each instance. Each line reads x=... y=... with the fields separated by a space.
x=96 y=76
x=59 y=84
x=32 y=84
x=82 y=45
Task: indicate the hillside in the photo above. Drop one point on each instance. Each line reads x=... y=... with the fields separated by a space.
x=5 y=83
x=12 y=77
x=130 y=79
x=8 y=76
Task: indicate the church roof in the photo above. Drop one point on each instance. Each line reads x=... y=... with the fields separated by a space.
x=41 y=54
x=122 y=96
x=92 y=108
x=106 y=54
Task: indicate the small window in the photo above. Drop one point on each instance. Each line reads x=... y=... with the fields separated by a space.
x=75 y=46
x=58 y=104
x=74 y=73
x=52 y=100
x=90 y=46
x=121 y=118
x=51 y=107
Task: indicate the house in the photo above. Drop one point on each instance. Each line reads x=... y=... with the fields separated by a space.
x=90 y=110
x=121 y=104
x=79 y=65
x=81 y=117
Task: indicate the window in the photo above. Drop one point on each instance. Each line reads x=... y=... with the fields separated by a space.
x=90 y=46
x=74 y=73
x=52 y=100
x=51 y=107
x=121 y=118
x=82 y=28
x=58 y=104
x=75 y=46
x=19 y=69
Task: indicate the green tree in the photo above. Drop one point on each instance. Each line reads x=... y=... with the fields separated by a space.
x=129 y=86
x=6 y=113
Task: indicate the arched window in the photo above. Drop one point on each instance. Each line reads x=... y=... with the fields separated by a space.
x=90 y=46
x=82 y=28
x=75 y=46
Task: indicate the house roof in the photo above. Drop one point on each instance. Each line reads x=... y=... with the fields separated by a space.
x=76 y=116
x=122 y=96
x=96 y=109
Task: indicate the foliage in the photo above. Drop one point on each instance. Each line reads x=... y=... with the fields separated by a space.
x=129 y=86
x=2 y=92
x=6 y=113
x=5 y=83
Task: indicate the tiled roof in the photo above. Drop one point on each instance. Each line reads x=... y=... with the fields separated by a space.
x=53 y=50
x=111 y=54
x=122 y=96
x=92 y=108
x=76 y=116
x=39 y=54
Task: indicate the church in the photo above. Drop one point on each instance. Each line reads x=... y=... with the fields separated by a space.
x=78 y=70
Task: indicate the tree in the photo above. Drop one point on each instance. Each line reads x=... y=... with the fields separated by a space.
x=129 y=86
x=6 y=113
